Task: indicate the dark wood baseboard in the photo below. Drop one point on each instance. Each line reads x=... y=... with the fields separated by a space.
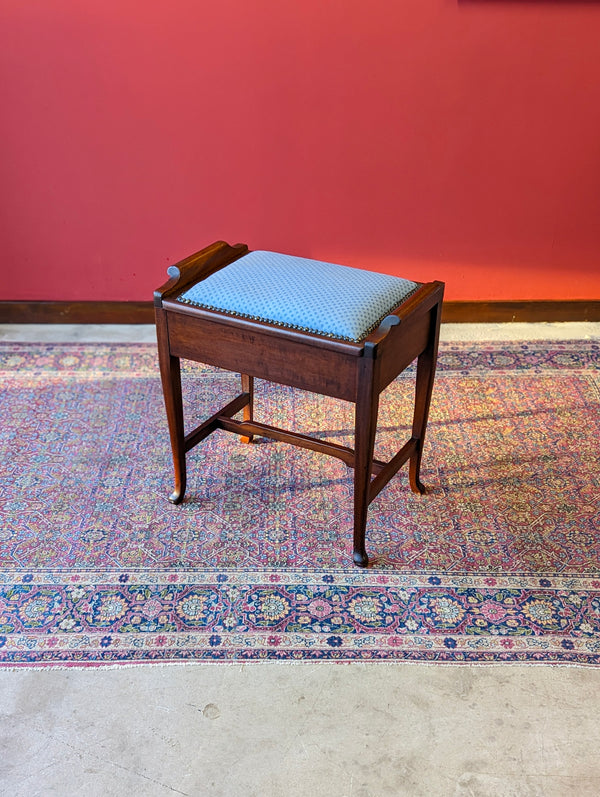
x=76 y=312
x=524 y=310
x=143 y=312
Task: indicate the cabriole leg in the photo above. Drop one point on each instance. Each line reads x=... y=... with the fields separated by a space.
x=170 y=373
x=426 y=364
x=364 y=441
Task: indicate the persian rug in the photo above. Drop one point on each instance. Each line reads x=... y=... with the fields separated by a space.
x=498 y=562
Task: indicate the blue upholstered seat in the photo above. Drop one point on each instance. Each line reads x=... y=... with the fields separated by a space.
x=309 y=295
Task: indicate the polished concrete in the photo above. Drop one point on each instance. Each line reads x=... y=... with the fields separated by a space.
x=275 y=730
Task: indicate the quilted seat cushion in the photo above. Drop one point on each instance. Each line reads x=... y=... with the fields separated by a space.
x=309 y=295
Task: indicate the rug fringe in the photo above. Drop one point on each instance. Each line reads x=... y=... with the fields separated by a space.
x=293 y=663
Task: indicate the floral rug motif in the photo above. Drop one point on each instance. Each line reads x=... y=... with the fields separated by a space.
x=499 y=561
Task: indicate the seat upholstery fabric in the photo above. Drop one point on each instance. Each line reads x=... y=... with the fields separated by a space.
x=336 y=301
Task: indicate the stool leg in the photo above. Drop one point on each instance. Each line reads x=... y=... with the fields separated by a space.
x=248 y=387
x=170 y=374
x=366 y=410
x=424 y=387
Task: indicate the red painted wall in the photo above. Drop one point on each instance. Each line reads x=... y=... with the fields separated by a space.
x=450 y=139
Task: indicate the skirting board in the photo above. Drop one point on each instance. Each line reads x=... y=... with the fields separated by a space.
x=143 y=312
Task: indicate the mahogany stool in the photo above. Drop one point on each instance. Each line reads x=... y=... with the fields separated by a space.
x=329 y=329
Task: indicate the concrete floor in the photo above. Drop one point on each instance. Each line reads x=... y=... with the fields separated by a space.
x=113 y=333
x=269 y=730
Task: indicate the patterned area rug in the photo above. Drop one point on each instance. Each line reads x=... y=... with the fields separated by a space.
x=500 y=561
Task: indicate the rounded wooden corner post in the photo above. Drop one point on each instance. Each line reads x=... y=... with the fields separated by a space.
x=426 y=366
x=170 y=374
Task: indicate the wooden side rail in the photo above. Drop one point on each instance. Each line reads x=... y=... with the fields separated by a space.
x=222 y=419
x=391 y=468
x=216 y=421
x=248 y=428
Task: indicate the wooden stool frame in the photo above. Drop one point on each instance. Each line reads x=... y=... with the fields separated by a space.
x=355 y=372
